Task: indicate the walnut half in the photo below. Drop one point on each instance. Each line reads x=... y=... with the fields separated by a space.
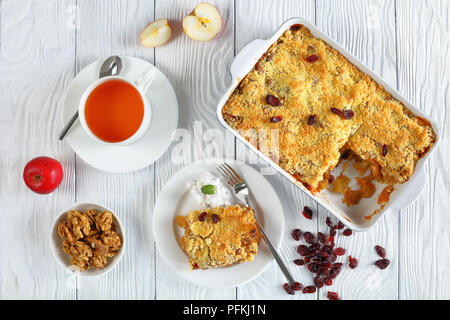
x=113 y=241
x=97 y=245
x=65 y=233
x=98 y=262
x=103 y=221
x=79 y=223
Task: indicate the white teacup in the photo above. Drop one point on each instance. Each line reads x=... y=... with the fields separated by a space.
x=142 y=84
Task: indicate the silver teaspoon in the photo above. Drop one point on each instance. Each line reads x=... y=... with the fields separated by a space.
x=110 y=67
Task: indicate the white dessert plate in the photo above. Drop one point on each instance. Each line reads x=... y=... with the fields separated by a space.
x=150 y=147
x=174 y=200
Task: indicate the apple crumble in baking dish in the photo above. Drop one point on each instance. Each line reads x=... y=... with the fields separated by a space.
x=323 y=108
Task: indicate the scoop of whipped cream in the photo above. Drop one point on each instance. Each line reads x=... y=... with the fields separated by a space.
x=222 y=196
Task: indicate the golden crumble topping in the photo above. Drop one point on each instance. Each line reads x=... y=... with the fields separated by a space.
x=219 y=237
x=321 y=105
x=89 y=238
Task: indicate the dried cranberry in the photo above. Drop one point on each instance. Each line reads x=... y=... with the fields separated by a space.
x=276 y=119
x=329 y=223
x=312 y=58
x=313 y=267
x=317 y=258
x=288 y=289
x=380 y=251
x=299 y=262
x=307 y=260
x=332 y=231
x=348 y=114
x=273 y=101
x=307 y=213
x=314 y=246
x=318 y=282
x=347 y=232
x=296 y=27
x=325 y=266
x=327 y=249
x=333 y=296
x=337 y=265
x=321 y=272
x=352 y=262
x=339 y=251
x=297 y=286
x=334 y=272
x=336 y=111
x=309 y=237
x=339 y=226
x=385 y=150
x=322 y=238
x=312 y=119
x=296 y=234
x=326 y=272
x=328 y=281
x=324 y=254
x=383 y=263
x=215 y=218
x=331 y=179
x=309 y=289
x=303 y=250
x=202 y=216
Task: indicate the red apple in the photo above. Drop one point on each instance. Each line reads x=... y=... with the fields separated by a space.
x=43 y=175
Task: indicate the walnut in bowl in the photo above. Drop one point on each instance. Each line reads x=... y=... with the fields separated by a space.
x=88 y=239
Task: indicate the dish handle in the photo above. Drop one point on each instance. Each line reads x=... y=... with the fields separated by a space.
x=416 y=186
x=244 y=57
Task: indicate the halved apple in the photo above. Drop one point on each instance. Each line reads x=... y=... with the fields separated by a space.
x=156 y=33
x=204 y=23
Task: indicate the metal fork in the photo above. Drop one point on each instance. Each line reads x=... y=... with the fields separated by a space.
x=240 y=188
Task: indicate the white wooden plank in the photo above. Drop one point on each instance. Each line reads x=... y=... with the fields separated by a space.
x=367 y=30
x=259 y=20
x=36 y=65
x=199 y=73
x=112 y=28
x=423 y=57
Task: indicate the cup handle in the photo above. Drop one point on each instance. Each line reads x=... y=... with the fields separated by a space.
x=144 y=81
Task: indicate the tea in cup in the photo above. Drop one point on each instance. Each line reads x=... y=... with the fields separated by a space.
x=116 y=111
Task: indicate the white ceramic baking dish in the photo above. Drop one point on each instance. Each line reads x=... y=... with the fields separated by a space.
x=354 y=217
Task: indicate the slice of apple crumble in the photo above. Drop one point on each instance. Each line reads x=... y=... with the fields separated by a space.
x=219 y=237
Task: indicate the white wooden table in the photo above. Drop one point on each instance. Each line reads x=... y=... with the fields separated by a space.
x=43 y=44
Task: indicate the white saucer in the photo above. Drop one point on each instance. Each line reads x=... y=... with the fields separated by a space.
x=175 y=200
x=150 y=147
